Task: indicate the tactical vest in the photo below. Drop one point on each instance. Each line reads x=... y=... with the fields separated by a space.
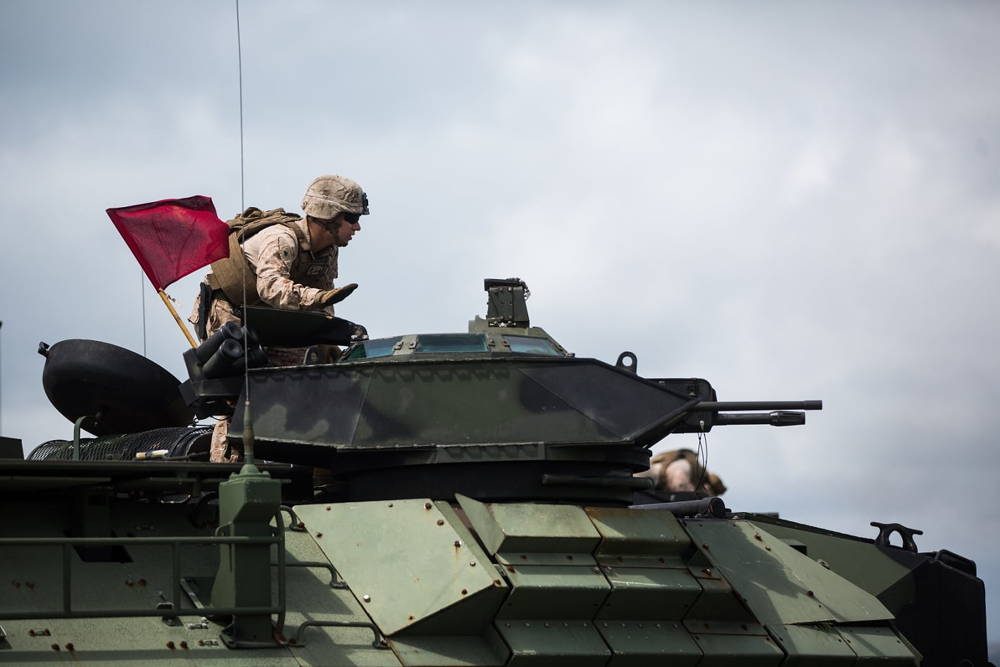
x=234 y=274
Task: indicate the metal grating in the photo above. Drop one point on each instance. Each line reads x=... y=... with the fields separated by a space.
x=179 y=442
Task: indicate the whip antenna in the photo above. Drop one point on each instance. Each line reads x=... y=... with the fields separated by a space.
x=248 y=457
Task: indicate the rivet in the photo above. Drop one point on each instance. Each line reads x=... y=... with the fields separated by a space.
x=472 y=563
x=366 y=598
x=319 y=534
x=427 y=506
x=55 y=647
x=70 y=647
x=440 y=522
x=457 y=543
x=171 y=646
x=327 y=508
x=184 y=645
x=465 y=592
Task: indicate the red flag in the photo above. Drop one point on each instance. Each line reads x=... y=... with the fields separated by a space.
x=173 y=237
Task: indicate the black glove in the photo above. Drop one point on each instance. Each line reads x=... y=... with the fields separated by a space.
x=359 y=333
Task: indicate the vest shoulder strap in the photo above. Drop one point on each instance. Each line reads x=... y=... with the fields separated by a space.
x=234 y=275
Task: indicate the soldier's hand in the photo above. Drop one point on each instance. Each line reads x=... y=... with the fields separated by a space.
x=359 y=333
x=331 y=296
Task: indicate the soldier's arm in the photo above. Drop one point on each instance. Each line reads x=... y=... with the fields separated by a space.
x=274 y=283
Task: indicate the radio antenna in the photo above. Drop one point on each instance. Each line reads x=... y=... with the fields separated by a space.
x=248 y=457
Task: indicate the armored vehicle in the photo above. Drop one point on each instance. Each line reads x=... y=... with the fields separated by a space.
x=430 y=499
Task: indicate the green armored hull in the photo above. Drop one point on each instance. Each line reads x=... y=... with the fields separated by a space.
x=459 y=499
x=425 y=582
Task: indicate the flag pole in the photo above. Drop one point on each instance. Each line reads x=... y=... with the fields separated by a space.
x=177 y=318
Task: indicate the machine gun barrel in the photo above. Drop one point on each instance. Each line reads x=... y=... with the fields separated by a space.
x=716 y=406
x=706 y=414
x=777 y=418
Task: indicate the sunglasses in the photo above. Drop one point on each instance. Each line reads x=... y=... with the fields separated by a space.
x=331 y=225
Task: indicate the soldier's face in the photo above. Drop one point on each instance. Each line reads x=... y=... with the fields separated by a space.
x=347 y=226
x=337 y=231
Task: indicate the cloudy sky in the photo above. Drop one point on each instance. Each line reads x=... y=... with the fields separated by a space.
x=792 y=200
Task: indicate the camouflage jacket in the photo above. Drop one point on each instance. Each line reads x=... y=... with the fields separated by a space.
x=289 y=275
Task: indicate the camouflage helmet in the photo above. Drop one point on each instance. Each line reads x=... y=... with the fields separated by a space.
x=328 y=195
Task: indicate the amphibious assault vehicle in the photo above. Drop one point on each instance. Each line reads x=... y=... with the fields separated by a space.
x=429 y=499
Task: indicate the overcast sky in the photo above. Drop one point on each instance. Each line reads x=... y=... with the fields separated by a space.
x=791 y=200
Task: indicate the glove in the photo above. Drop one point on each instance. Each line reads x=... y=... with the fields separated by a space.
x=359 y=333
x=331 y=296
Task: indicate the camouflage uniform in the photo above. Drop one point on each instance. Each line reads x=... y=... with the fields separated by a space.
x=289 y=274
x=680 y=471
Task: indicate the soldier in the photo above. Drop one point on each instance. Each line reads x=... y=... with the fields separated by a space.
x=284 y=261
x=679 y=471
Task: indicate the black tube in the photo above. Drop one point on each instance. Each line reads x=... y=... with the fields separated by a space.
x=637 y=483
x=759 y=405
x=228 y=331
x=713 y=506
x=227 y=360
x=778 y=418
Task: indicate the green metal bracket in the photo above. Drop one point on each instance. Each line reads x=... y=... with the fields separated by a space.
x=247 y=503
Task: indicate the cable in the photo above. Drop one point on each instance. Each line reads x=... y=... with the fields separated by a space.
x=239 y=64
x=1 y=381
x=248 y=456
x=702 y=454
